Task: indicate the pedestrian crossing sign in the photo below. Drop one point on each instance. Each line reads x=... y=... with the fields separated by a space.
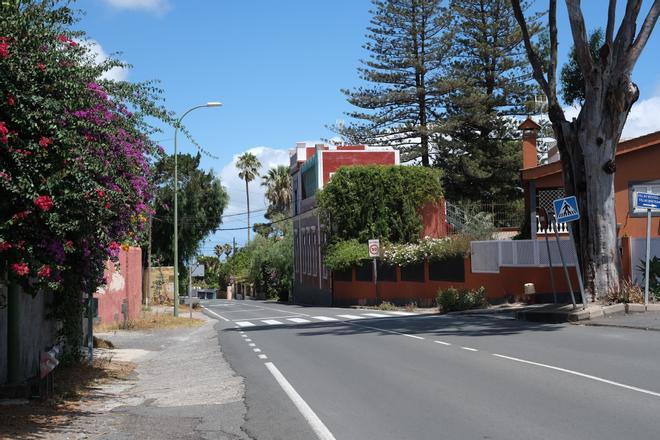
x=566 y=209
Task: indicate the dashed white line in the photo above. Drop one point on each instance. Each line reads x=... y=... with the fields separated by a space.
x=402 y=313
x=215 y=314
x=271 y=321
x=262 y=356
x=248 y=340
x=324 y=318
x=321 y=431
x=469 y=349
x=243 y=335
x=298 y=320
x=377 y=315
x=257 y=350
x=442 y=342
x=351 y=316
x=252 y=344
x=245 y=324
x=577 y=373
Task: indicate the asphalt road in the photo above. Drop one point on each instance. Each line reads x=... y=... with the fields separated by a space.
x=340 y=374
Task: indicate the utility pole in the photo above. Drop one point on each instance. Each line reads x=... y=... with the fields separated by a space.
x=234 y=245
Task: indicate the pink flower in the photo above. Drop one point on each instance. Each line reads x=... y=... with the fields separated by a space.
x=45 y=142
x=11 y=100
x=107 y=206
x=100 y=193
x=20 y=269
x=41 y=66
x=21 y=215
x=4 y=48
x=44 y=272
x=4 y=131
x=45 y=203
x=5 y=246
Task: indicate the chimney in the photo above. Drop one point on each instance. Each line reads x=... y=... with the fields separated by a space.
x=530 y=130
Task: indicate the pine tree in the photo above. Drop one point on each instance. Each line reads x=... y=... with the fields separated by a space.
x=409 y=47
x=491 y=78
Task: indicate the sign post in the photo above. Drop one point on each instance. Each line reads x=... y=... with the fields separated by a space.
x=543 y=219
x=374 y=252
x=651 y=202
x=566 y=210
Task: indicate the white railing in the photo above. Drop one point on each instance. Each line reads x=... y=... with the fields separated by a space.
x=562 y=228
x=638 y=256
x=489 y=256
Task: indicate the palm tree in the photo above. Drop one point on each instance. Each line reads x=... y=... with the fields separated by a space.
x=249 y=165
x=218 y=250
x=277 y=182
x=227 y=249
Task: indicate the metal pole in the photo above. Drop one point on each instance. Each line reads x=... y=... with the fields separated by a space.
x=376 y=281
x=190 y=302
x=552 y=278
x=578 y=270
x=563 y=263
x=648 y=257
x=176 y=225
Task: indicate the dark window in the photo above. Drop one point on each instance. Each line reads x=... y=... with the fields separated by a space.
x=343 y=275
x=450 y=269
x=386 y=272
x=364 y=272
x=413 y=272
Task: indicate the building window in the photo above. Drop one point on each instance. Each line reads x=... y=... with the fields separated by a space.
x=652 y=186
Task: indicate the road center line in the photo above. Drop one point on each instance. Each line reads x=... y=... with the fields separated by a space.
x=469 y=349
x=322 y=432
x=383 y=330
x=215 y=314
x=442 y=342
x=577 y=373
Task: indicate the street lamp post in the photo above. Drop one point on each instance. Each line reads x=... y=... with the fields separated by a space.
x=176 y=204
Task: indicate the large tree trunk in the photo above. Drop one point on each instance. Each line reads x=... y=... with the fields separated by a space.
x=247 y=194
x=588 y=145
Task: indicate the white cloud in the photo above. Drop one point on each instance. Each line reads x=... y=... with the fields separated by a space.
x=269 y=157
x=643 y=118
x=154 y=6
x=116 y=73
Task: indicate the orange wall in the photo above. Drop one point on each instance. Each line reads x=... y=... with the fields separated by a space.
x=508 y=282
x=125 y=284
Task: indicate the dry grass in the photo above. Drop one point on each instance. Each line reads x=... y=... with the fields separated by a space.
x=150 y=321
x=73 y=384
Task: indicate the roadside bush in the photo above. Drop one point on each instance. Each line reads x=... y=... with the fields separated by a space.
x=385 y=305
x=452 y=299
x=629 y=292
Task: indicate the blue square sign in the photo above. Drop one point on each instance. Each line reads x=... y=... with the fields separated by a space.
x=647 y=201
x=566 y=209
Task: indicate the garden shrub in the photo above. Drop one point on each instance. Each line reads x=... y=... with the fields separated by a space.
x=453 y=299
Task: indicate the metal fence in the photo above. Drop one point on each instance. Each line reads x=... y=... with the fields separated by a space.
x=498 y=214
x=489 y=256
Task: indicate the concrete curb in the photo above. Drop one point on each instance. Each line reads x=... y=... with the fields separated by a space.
x=633 y=327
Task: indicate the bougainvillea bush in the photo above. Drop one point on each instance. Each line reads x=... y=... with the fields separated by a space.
x=74 y=157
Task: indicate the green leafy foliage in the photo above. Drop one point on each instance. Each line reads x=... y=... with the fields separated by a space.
x=345 y=254
x=377 y=201
x=452 y=299
x=654 y=275
x=571 y=77
x=427 y=249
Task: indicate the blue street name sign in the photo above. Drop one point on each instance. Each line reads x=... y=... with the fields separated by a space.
x=566 y=209
x=647 y=201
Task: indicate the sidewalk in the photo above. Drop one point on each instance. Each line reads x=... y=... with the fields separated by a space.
x=640 y=321
x=182 y=388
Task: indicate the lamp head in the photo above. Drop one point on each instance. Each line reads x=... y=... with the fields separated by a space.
x=214 y=104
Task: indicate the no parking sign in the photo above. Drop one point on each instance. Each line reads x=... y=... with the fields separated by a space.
x=374 y=248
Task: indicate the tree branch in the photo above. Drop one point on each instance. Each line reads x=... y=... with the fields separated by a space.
x=611 y=17
x=644 y=34
x=552 y=69
x=534 y=60
x=626 y=32
x=580 y=40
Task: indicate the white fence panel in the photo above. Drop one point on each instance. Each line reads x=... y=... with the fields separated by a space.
x=638 y=256
x=489 y=256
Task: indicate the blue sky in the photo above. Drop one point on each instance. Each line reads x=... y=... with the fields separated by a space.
x=277 y=66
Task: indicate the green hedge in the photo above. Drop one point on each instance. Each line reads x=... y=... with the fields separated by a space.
x=452 y=299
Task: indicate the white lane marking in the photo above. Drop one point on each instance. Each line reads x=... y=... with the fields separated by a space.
x=290 y=315
x=244 y=324
x=324 y=318
x=469 y=349
x=248 y=340
x=351 y=316
x=257 y=350
x=577 y=373
x=386 y=331
x=402 y=313
x=215 y=314
x=271 y=321
x=321 y=431
x=262 y=356
x=442 y=342
x=252 y=344
x=298 y=320
x=377 y=315
x=243 y=335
